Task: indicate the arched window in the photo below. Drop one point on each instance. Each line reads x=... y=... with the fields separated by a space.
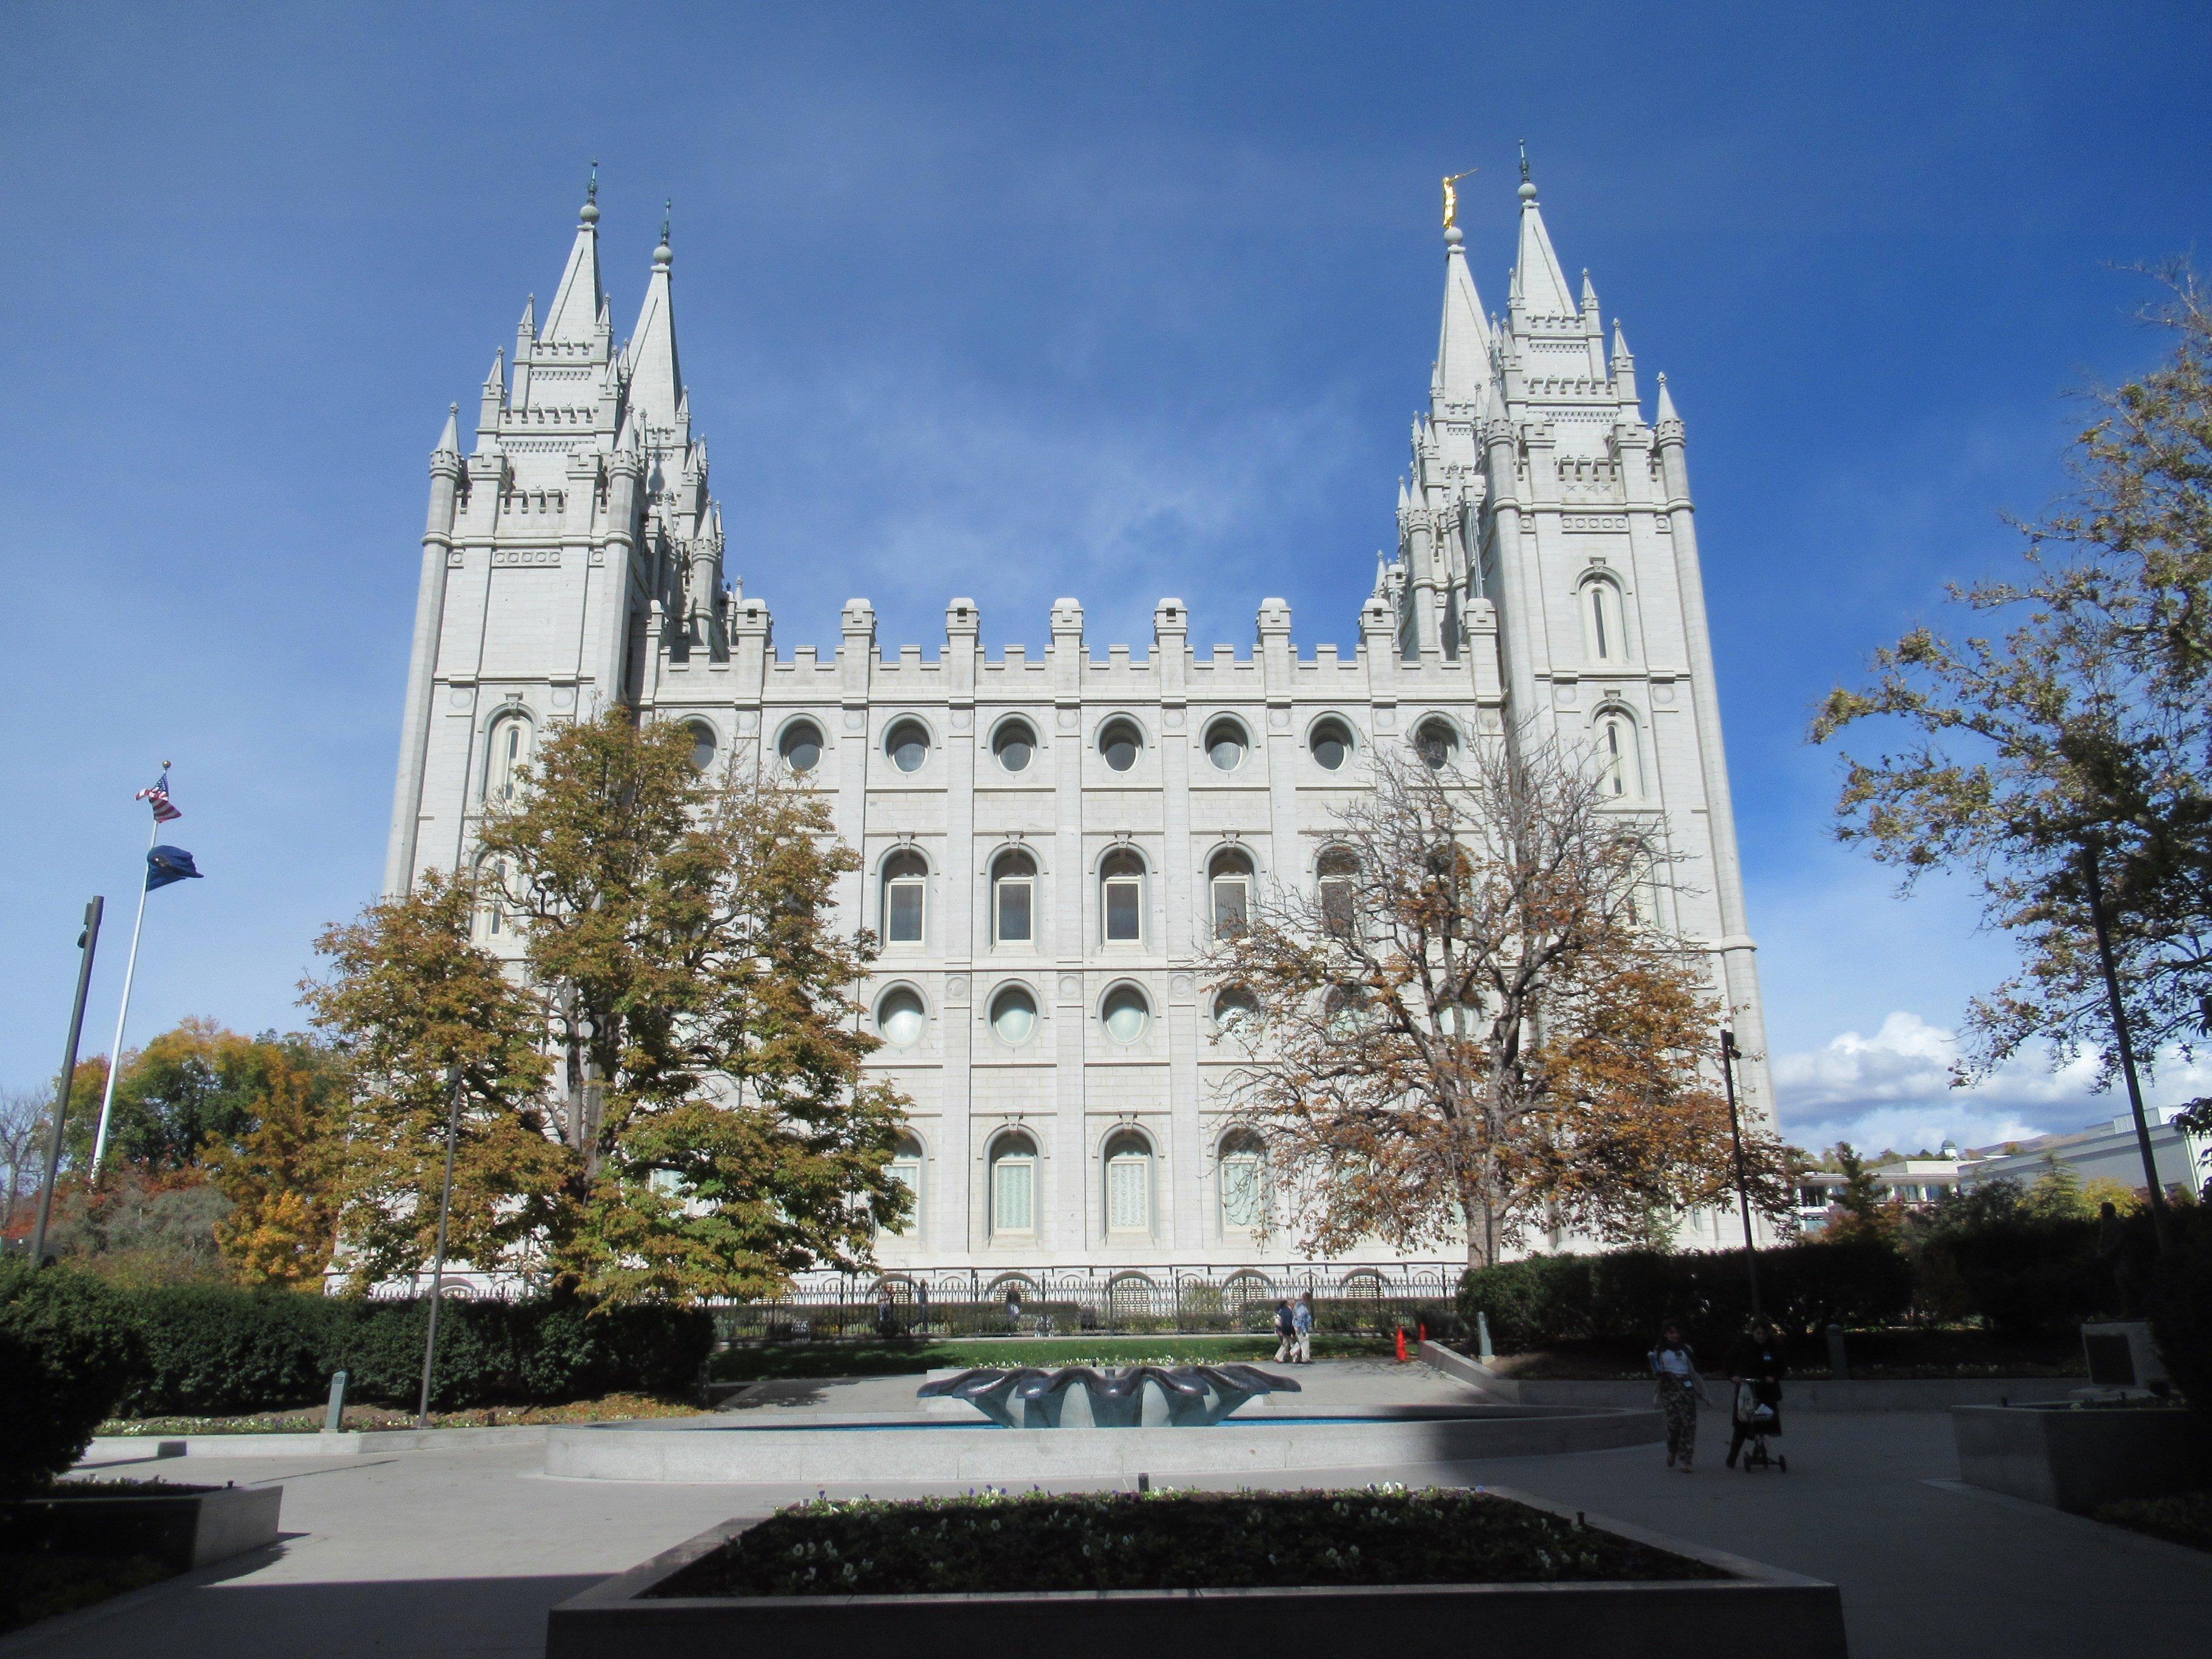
x=1129 y=1185
x=1339 y=871
x=906 y=880
x=1437 y=743
x=1331 y=743
x=1015 y=744
x=1602 y=640
x=1120 y=743
x=702 y=744
x=1240 y=1170
x=901 y=1017
x=1014 y=1015
x=1125 y=1013
x=907 y=745
x=1236 y=1011
x=506 y=764
x=1621 y=767
x=495 y=920
x=906 y=1170
x=1013 y=1187
x=1226 y=743
x=1122 y=896
x=800 y=746
x=1013 y=898
x=1229 y=875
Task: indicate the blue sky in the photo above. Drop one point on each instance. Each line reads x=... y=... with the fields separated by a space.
x=1012 y=302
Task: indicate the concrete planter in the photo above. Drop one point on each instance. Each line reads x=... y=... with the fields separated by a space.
x=2076 y=1457
x=347 y=1443
x=189 y=1529
x=1744 y=1607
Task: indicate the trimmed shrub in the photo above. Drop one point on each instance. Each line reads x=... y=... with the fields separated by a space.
x=212 y=1350
x=2025 y=1274
x=2181 y=1307
x=67 y=1350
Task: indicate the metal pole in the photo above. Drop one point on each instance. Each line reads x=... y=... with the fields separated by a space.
x=123 y=1014
x=87 y=942
x=1729 y=1054
x=438 y=1262
x=2126 y=1045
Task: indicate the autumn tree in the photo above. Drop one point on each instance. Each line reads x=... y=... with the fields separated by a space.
x=668 y=1098
x=1862 y=1209
x=281 y=1173
x=2066 y=735
x=1472 y=1026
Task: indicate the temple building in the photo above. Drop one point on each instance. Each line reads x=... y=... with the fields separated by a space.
x=1046 y=842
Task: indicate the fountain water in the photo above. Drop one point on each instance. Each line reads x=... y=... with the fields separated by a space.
x=1080 y=1397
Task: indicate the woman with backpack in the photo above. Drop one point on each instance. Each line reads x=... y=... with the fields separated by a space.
x=1675 y=1368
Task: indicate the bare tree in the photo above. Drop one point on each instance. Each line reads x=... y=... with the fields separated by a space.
x=1474 y=1025
x=24 y=1115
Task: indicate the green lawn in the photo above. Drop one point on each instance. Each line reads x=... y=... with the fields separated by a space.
x=751 y=1363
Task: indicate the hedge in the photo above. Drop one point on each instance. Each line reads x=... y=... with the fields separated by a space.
x=212 y=1352
x=1625 y=1295
x=67 y=1350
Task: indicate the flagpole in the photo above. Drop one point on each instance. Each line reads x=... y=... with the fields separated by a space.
x=130 y=973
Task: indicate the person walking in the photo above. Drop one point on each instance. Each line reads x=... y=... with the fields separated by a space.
x=1674 y=1367
x=1285 y=1332
x=1754 y=1365
x=1301 y=1323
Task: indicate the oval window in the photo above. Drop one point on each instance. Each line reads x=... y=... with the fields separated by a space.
x=1125 y=1013
x=1013 y=1014
x=1331 y=744
x=1437 y=743
x=702 y=745
x=900 y=1017
x=800 y=746
x=1014 y=744
x=1235 y=1009
x=907 y=745
x=1225 y=744
x=1119 y=741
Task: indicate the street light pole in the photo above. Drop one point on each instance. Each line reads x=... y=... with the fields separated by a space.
x=86 y=943
x=1729 y=1054
x=2121 y=1037
x=438 y=1262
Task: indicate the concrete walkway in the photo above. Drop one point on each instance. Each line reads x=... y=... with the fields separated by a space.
x=461 y=1553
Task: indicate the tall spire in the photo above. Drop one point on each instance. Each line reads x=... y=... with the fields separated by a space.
x=1463 y=340
x=576 y=302
x=1541 y=284
x=656 y=383
x=449 y=440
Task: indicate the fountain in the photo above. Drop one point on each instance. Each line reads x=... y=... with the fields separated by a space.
x=1080 y=1397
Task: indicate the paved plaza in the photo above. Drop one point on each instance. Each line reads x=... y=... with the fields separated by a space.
x=462 y=1551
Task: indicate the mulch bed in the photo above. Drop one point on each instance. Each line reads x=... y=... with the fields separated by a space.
x=2183 y=1518
x=998 y=1542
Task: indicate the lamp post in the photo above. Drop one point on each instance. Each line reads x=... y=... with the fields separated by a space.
x=2124 y=1042
x=1729 y=1054
x=87 y=942
x=438 y=1262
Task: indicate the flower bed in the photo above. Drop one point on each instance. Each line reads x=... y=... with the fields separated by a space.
x=1117 y=1542
x=610 y=1409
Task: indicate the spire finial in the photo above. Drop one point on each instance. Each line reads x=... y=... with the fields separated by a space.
x=1451 y=198
x=589 y=213
x=1528 y=185
x=663 y=255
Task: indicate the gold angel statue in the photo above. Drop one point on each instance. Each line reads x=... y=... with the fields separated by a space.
x=1451 y=196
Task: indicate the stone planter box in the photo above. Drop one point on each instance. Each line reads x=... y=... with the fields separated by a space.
x=2077 y=1457
x=1744 y=1607
x=189 y=1529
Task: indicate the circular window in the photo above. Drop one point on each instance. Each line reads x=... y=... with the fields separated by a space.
x=1125 y=1013
x=907 y=745
x=1225 y=744
x=900 y=1017
x=1331 y=744
x=800 y=746
x=1013 y=1014
x=1119 y=741
x=1014 y=743
x=1437 y=743
x=1235 y=1009
x=702 y=745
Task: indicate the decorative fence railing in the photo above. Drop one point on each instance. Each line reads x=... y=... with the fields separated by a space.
x=1071 y=1301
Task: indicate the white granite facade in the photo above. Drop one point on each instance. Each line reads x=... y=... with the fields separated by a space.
x=1548 y=567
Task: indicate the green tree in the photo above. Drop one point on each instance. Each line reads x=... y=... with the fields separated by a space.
x=2057 y=1194
x=1862 y=1210
x=2083 y=727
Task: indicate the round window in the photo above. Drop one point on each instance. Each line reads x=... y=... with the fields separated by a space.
x=702 y=745
x=1331 y=744
x=1225 y=744
x=1235 y=1009
x=1119 y=741
x=907 y=745
x=1125 y=1013
x=801 y=745
x=1438 y=743
x=1013 y=1014
x=900 y=1017
x=1014 y=743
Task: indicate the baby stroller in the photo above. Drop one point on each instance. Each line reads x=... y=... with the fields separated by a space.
x=1755 y=1420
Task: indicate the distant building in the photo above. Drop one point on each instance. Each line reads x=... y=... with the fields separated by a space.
x=1914 y=1181
x=2107 y=1151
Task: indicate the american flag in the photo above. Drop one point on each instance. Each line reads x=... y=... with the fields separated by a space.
x=164 y=811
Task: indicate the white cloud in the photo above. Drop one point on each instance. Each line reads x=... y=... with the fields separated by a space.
x=1893 y=1089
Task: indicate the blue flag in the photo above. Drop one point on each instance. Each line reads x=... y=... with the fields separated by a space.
x=165 y=864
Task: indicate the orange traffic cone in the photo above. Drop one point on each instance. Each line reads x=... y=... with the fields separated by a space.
x=1401 y=1344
